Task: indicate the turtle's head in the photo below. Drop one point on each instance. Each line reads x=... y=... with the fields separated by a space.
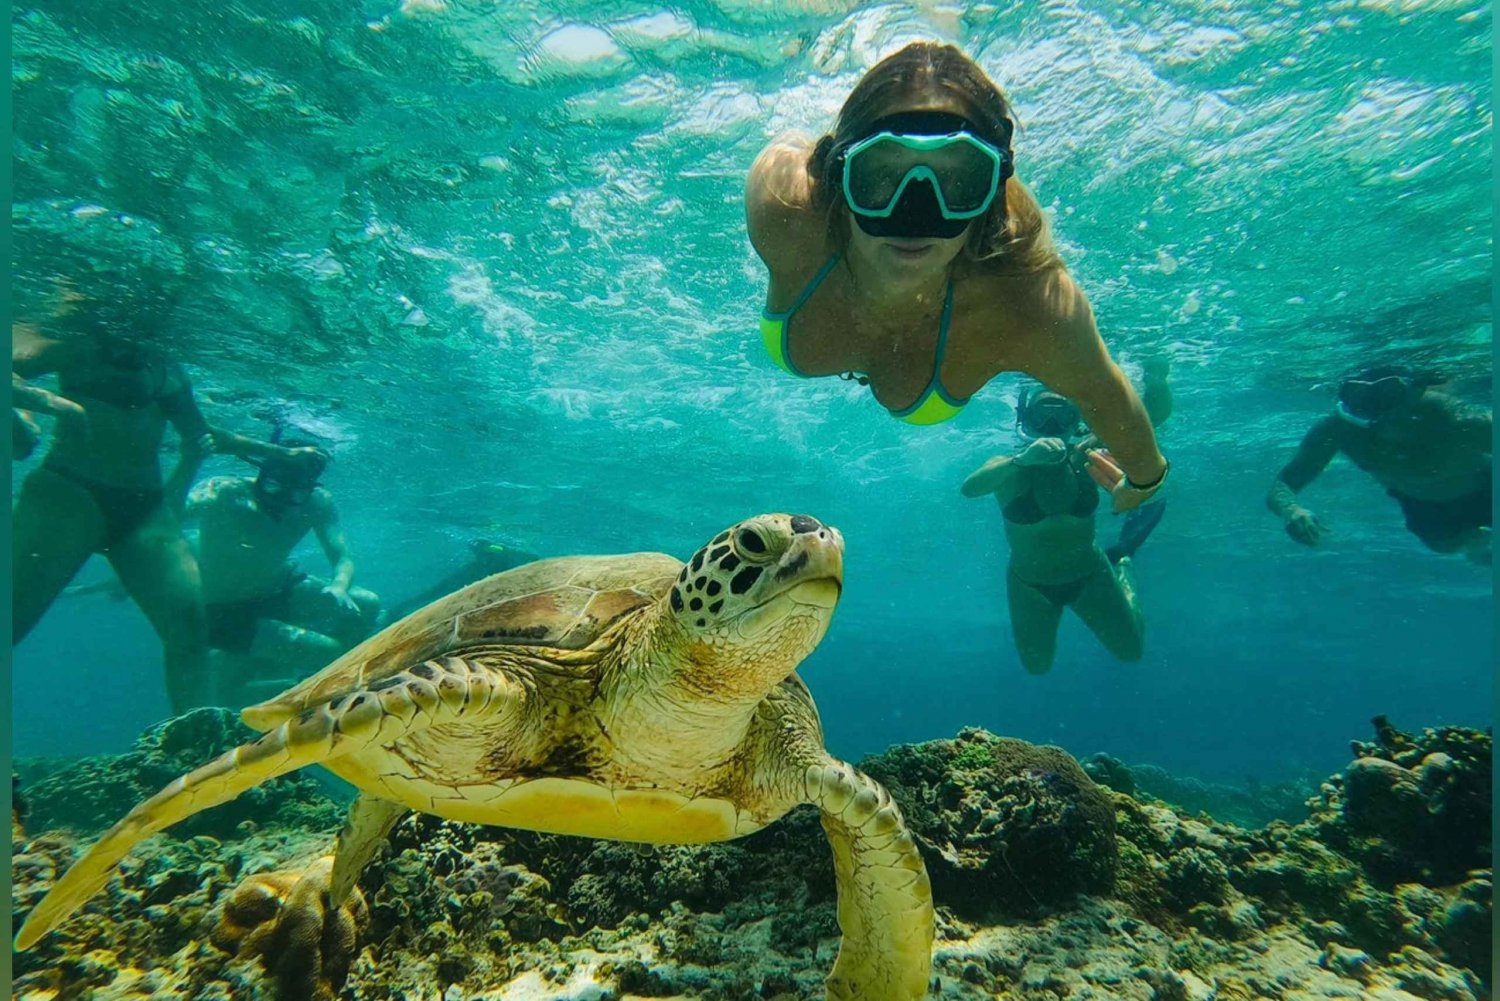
x=758 y=597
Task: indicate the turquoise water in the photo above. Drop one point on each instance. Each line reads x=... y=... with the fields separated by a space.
x=495 y=257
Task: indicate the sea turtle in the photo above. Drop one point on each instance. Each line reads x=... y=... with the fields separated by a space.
x=628 y=697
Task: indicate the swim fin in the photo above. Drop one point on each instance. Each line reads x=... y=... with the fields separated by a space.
x=1139 y=524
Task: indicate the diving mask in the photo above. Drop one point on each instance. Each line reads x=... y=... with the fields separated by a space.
x=922 y=174
x=284 y=483
x=1362 y=402
x=278 y=491
x=1049 y=415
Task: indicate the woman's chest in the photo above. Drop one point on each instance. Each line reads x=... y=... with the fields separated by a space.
x=902 y=348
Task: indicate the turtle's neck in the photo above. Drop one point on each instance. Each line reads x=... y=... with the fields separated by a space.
x=682 y=704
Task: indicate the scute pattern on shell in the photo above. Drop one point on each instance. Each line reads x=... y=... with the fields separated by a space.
x=564 y=603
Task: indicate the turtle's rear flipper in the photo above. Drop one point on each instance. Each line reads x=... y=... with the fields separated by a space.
x=434 y=692
x=885 y=899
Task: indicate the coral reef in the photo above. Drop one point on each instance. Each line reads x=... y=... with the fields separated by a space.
x=1102 y=895
x=1412 y=808
x=1006 y=827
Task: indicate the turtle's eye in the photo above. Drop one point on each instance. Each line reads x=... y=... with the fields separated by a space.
x=752 y=546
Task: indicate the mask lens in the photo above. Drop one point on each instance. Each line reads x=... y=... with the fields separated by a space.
x=963 y=169
x=966 y=174
x=875 y=173
x=274 y=488
x=1051 y=417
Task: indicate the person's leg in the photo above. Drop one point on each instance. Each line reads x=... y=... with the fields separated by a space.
x=159 y=569
x=1109 y=606
x=55 y=527
x=1033 y=621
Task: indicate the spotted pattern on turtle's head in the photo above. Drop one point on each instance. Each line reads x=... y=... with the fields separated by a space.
x=744 y=565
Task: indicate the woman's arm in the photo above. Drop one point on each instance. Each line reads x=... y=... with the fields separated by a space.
x=1009 y=476
x=38 y=400
x=996 y=476
x=1071 y=359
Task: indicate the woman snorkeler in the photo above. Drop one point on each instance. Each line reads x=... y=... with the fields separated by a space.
x=1047 y=499
x=914 y=260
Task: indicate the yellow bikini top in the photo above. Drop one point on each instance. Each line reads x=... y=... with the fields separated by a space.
x=933 y=406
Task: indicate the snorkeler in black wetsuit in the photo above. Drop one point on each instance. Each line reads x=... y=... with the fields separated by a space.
x=1430 y=451
x=1048 y=501
x=99 y=490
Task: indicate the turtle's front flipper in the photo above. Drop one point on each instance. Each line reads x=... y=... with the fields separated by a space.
x=434 y=692
x=370 y=820
x=885 y=899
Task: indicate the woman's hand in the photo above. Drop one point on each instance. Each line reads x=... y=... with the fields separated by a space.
x=1123 y=494
x=28 y=397
x=1043 y=452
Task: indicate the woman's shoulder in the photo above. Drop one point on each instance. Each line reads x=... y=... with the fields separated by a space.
x=1049 y=297
x=779 y=176
x=780 y=210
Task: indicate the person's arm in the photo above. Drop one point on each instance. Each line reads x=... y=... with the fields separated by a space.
x=1007 y=476
x=253 y=450
x=335 y=547
x=1076 y=364
x=38 y=400
x=195 y=438
x=997 y=476
x=1319 y=446
x=32 y=353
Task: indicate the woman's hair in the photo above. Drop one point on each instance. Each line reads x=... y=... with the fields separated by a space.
x=1013 y=235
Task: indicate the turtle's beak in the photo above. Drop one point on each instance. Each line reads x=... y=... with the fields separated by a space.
x=821 y=593
x=813 y=565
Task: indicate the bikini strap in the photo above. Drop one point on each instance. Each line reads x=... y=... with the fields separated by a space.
x=811 y=287
x=942 y=344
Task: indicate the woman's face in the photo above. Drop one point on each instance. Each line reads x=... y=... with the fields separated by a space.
x=906 y=258
x=911 y=258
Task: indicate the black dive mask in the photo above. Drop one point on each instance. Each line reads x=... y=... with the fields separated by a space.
x=1362 y=402
x=1049 y=415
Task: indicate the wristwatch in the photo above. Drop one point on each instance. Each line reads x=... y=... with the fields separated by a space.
x=1165 y=469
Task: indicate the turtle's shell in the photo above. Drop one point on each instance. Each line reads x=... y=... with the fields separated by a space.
x=564 y=603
